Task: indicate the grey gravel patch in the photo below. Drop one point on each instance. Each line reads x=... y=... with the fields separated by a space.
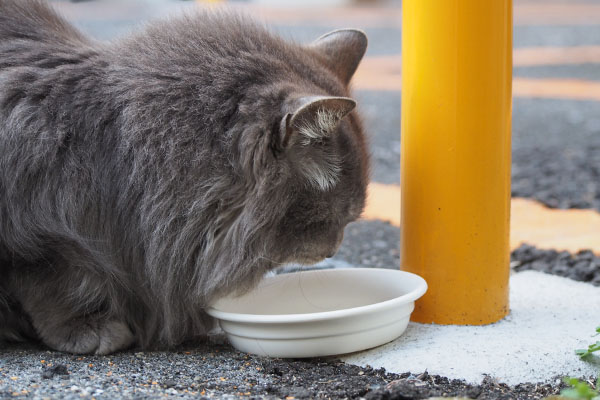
x=367 y=244
x=381 y=115
x=556 y=152
x=54 y=370
x=567 y=177
x=374 y=244
x=583 y=266
x=556 y=35
x=580 y=71
x=202 y=370
x=553 y=123
x=198 y=370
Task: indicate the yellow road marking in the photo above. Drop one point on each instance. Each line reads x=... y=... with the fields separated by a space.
x=573 y=89
x=386 y=79
x=385 y=66
x=571 y=230
x=536 y=56
x=384 y=73
x=383 y=202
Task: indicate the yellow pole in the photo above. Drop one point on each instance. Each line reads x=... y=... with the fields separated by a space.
x=455 y=162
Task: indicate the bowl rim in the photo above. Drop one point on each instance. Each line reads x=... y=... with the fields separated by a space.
x=417 y=292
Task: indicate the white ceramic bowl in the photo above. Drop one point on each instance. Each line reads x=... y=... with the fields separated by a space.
x=320 y=313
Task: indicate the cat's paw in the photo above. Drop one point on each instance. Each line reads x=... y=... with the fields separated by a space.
x=96 y=337
x=114 y=335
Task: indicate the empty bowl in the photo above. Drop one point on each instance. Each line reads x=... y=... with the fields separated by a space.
x=321 y=312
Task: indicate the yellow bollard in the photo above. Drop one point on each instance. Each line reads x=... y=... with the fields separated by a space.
x=455 y=162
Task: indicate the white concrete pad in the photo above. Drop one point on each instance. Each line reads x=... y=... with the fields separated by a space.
x=550 y=318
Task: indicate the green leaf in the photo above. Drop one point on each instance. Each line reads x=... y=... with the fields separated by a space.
x=586 y=352
x=579 y=390
x=570 y=393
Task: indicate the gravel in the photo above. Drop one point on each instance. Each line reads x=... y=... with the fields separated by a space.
x=383 y=133
x=583 y=266
x=559 y=177
x=204 y=370
x=581 y=71
x=556 y=35
x=373 y=244
x=367 y=244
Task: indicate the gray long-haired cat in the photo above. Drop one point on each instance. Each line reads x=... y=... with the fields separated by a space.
x=141 y=179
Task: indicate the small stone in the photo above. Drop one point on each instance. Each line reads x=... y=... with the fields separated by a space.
x=380 y=244
x=539 y=266
x=58 y=369
x=169 y=383
x=585 y=255
x=474 y=392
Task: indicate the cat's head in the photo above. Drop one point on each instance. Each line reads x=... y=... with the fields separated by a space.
x=257 y=139
x=317 y=159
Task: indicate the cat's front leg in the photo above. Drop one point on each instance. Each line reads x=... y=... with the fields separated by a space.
x=61 y=326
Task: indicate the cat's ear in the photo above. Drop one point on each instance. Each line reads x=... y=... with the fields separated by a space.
x=316 y=117
x=344 y=48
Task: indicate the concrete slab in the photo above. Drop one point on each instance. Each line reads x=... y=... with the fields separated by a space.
x=550 y=317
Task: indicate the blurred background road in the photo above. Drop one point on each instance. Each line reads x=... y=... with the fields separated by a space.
x=556 y=123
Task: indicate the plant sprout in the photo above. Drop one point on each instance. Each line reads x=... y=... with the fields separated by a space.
x=580 y=390
x=583 y=353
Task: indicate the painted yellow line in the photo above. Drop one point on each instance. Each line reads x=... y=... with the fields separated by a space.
x=383 y=203
x=379 y=73
x=573 y=89
x=571 y=230
x=522 y=57
x=531 y=222
x=384 y=73
x=536 y=56
x=374 y=80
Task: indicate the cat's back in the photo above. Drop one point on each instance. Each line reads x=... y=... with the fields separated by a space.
x=209 y=32
x=33 y=35
x=34 y=21
x=213 y=60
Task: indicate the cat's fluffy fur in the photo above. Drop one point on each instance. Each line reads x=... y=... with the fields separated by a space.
x=143 y=178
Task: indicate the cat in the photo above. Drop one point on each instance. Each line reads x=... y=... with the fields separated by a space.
x=143 y=178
